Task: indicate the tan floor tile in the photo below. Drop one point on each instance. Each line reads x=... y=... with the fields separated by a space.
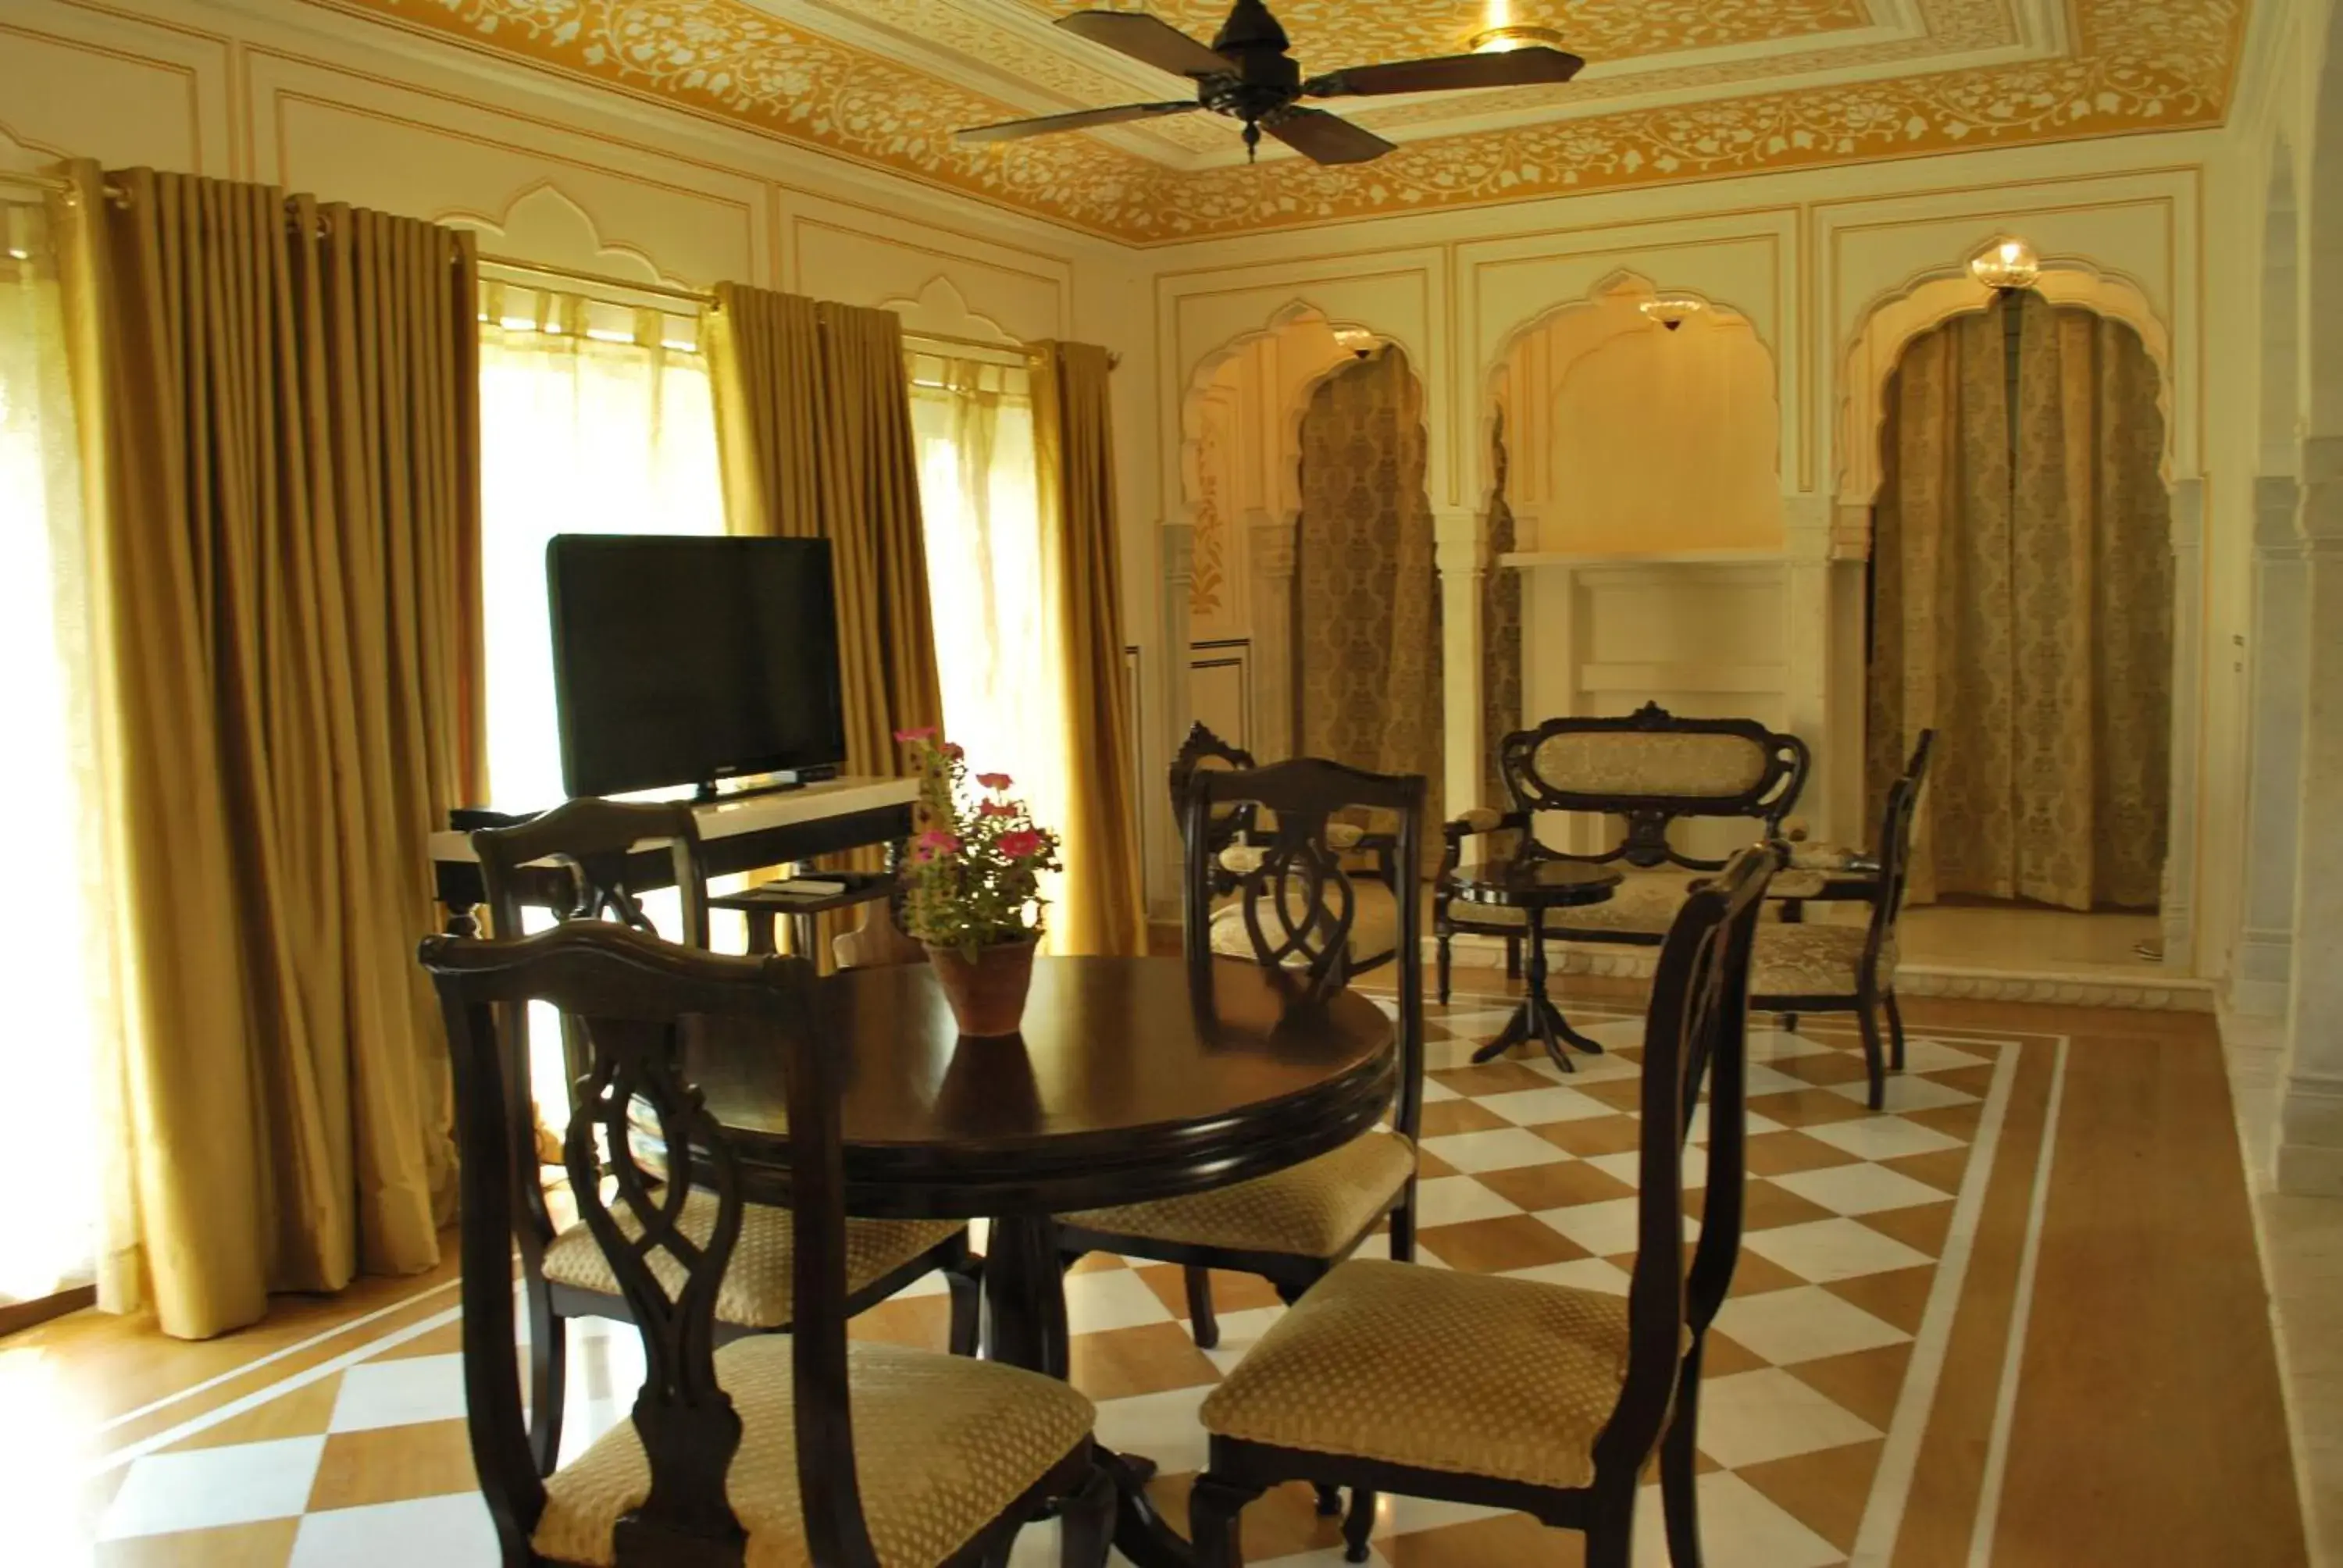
x=267 y=1545
x=1493 y=1078
x=1953 y=1120
x=1622 y=1095
x=1564 y=1184
x=1826 y=1491
x=1595 y=1135
x=1449 y=1117
x=1806 y=1108
x=1943 y=1169
x=1779 y=1153
x=393 y=1464
x=1431 y=1167
x=1500 y=1246
x=1922 y=1226
x=1153 y=1357
x=1976 y=1080
x=1752 y=1275
x=1231 y=1292
x=923 y=1322
x=1280 y=1523
x=447 y=1340
x=1720 y=1355
x=1508 y=1541
x=1866 y=1383
x=304 y=1413
x=1824 y=1066
x=1098 y=1263
x=1765 y=1207
x=1899 y=1296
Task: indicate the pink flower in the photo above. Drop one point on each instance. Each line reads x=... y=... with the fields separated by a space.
x=995 y=808
x=951 y=749
x=1022 y=845
x=935 y=840
x=996 y=782
x=908 y=736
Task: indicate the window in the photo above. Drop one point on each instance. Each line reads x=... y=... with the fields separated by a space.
x=980 y=500
x=56 y=933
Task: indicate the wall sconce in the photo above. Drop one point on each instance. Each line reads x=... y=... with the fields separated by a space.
x=1672 y=310
x=1355 y=341
x=2005 y=265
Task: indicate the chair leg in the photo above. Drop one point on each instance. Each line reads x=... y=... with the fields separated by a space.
x=964 y=1278
x=1442 y=958
x=1330 y=1499
x=1358 y=1524
x=1895 y=1032
x=1086 y=1529
x=1789 y=1021
x=1866 y=1017
x=1679 y=1500
x=1215 y=1508
x=549 y=1372
x=1403 y=1230
x=1611 y=1531
x=1202 y=1323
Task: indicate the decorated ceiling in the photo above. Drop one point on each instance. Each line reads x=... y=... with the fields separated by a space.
x=1674 y=89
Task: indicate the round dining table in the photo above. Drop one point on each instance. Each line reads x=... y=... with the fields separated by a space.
x=1133 y=1079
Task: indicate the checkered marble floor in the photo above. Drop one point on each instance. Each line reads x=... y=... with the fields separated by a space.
x=1820 y=1374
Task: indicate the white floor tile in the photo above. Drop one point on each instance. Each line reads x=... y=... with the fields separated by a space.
x=1754 y=1416
x=1764 y=1081
x=400 y=1392
x=1606 y=1230
x=1925 y=1055
x=1397 y=1515
x=450 y=1532
x=1111 y=1299
x=1752 y=1122
x=1822 y=1251
x=1883 y=1137
x=1498 y=1148
x=1628 y=1166
x=1859 y=1188
x=1803 y=1324
x=1767 y=1043
x=1434 y=1092
x=1579 y=1273
x=1741 y=1527
x=206 y=1487
x=1239 y=1332
x=1453 y=1199
x=1163 y=1427
x=1906 y=1092
x=1539 y=1107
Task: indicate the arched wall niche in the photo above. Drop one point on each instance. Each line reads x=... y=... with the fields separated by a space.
x=1597 y=401
x=1927 y=302
x=543 y=225
x=940 y=311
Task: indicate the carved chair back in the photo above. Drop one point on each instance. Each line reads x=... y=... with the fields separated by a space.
x=594 y=841
x=1204 y=750
x=1652 y=768
x=1695 y=1031
x=1297 y=890
x=632 y=994
x=1895 y=820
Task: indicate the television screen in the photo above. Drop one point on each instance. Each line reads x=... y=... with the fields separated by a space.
x=685 y=660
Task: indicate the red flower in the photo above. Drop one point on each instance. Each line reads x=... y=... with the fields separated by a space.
x=935 y=840
x=1022 y=845
x=995 y=782
x=908 y=736
x=995 y=808
x=951 y=749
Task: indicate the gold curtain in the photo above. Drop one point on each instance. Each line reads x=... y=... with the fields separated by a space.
x=1105 y=908
x=2021 y=607
x=1501 y=618
x=1367 y=657
x=280 y=401
x=814 y=422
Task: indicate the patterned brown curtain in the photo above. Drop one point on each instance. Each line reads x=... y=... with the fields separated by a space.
x=1367 y=611
x=1501 y=622
x=2022 y=602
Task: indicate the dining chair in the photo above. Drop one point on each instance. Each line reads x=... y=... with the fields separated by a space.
x=564 y=1273
x=1292 y=906
x=784 y=1451
x=1544 y=1399
x=1810 y=966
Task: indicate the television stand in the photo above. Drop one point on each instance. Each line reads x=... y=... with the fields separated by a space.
x=711 y=791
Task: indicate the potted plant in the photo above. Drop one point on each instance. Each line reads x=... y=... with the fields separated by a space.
x=972 y=888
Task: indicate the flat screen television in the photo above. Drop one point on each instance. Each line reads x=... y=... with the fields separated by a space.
x=686 y=661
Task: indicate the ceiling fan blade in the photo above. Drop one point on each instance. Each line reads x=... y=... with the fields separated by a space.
x=1146 y=38
x=1508 y=69
x=1082 y=119
x=1327 y=138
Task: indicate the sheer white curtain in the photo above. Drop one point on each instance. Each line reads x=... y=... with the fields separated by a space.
x=996 y=646
x=66 y=1034
x=595 y=418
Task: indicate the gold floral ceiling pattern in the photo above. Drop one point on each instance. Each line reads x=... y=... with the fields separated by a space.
x=891 y=98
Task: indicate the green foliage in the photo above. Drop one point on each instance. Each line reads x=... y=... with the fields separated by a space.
x=973 y=879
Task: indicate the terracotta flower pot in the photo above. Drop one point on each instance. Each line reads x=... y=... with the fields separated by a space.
x=988 y=995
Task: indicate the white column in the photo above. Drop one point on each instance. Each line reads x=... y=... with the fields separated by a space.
x=2310 y=1117
x=2179 y=903
x=1806 y=640
x=1175 y=711
x=1269 y=582
x=2262 y=963
x=1463 y=557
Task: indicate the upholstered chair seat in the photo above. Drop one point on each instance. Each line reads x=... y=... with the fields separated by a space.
x=1813 y=961
x=943 y=1445
x=1313 y=1209
x=755 y=1290
x=1375 y=923
x=1476 y=1374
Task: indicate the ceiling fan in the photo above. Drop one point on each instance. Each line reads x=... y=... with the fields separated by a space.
x=1248 y=75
